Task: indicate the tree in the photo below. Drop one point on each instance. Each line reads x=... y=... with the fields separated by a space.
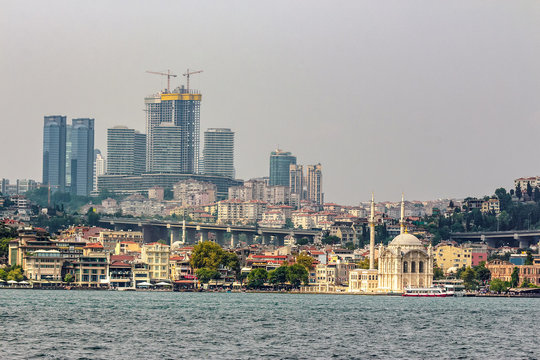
x=297 y=274
x=529 y=189
x=206 y=254
x=364 y=264
x=437 y=273
x=278 y=276
x=289 y=224
x=231 y=261
x=515 y=277
x=257 y=277
x=331 y=240
x=15 y=274
x=305 y=260
x=469 y=278
x=205 y=274
x=536 y=194
x=498 y=286
x=69 y=278
x=302 y=241
x=482 y=273
x=92 y=218
x=518 y=191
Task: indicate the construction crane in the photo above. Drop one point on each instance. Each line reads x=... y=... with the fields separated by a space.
x=167 y=74
x=188 y=74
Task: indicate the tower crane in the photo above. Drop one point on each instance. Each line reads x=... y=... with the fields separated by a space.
x=188 y=74
x=168 y=75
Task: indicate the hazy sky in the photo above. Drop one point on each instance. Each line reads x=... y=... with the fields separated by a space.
x=433 y=98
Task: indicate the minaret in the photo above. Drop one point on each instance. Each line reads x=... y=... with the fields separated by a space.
x=402 y=219
x=372 y=234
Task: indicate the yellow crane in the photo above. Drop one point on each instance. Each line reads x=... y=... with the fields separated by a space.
x=188 y=74
x=168 y=75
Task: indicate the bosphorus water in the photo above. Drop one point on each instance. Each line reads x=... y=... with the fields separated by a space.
x=163 y=325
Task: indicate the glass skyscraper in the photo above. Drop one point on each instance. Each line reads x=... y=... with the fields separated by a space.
x=82 y=156
x=218 y=152
x=54 y=152
x=126 y=151
x=180 y=108
x=280 y=162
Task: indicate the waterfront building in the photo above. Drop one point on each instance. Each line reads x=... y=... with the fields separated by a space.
x=126 y=151
x=44 y=265
x=92 y=269
x=314 y=184
x=280 y=162
x=332 y=275
x=218 y=152
x=141 y=272
x=449 y=257
x=501 y=269
x=156 y=255
x=54 y=152
x=82 y=156
x=181 y=108
x=121 y=271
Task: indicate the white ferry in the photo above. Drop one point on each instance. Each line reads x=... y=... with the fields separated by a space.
x=426 y=292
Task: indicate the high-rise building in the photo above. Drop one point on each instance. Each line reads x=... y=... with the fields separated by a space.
x=68 y=155
x=54 y=152
x=314 y=183
x=126 y=151
x=296 y=184
x=82 y=156
x=182 y=109
x=218 y=152
x=100 y=167
x=167 y=149
x=280 y=162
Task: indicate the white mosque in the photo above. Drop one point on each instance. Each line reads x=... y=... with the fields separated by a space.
x=405 y=262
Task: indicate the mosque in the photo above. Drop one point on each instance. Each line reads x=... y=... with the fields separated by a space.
x=405 y=262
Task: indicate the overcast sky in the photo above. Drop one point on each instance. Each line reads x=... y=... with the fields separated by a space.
x=433 y=98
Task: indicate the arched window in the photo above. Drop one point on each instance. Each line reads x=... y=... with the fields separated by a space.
x=420 y=266
x=405 y=267
x=413 y=266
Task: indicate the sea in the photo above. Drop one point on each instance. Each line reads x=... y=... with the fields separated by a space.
x=49 y=324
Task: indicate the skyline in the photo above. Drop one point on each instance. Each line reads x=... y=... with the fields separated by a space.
x=399 y=83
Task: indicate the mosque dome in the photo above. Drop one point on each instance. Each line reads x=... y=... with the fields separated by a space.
x=176 y=245
x=406 y=240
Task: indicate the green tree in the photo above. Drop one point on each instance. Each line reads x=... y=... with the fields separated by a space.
x=297 y=274
x=206 y=254
x=204 y=275
x=331 y=240
x=305 y=260
x=498 y=286
x=15 y=274
x=529 y=189
x=289 y=224
x=437 y=273
x=302 y=241
x=231 y=261
x=518 y=191
x=469 y=278
x=69 y=278
x=257 y=277
x=278 y=276
x=3 y=274
x=515 y=277
x=364 y=264
x=482 y=273
x=92 y=218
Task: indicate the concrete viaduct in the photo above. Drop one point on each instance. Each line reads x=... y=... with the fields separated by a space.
x=523 y=238
x=190 y=232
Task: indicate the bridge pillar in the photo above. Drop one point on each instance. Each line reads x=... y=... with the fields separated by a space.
x=266 y=239
x=280 y=239
x=523 y=243
x=220 y=238
x=203 y=235
x=249 y=238
x=234 y=239
x=190 y=236
x=491 y=242
x=174 y=234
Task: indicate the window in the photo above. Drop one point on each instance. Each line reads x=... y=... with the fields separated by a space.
x=420 y=266
x=413 y=266
x=405 y=267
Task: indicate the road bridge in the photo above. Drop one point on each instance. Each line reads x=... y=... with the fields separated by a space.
x=521 y=238
x=192 y=232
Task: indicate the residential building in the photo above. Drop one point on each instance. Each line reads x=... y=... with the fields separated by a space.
x=255 y=189
x=110 y=238
x=54 y=152
x=218 y=152
x=240 y=212
x=502 y=270
x=100 y=168
x=194 y=193
x=181 y=108
x=280 y=162
x=314 y=184
x=156 y=193
x=156 y=255
x=296 y=184
x=534 y=181
x=92 y=269
x=492 y=205
x=44 y=265
x=126 y=151
x=449 y=257
x=82 y=156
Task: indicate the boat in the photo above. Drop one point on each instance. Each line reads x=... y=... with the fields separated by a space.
x=426 y=292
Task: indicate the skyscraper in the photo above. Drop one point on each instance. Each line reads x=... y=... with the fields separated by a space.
x=100 y=167
x=68 y=156
x=280 y=162
x=218 y=152
x=182 y=109
x=126 y=151
x=54 y=152
x=314 y=183
x=82 y=156
x=296 y=181
x=167 y=149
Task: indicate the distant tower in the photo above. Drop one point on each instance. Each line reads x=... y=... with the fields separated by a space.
x=100 y=168
x=372 y=234
x=218 y=152
x=54 y=152
x=126 y=151
x=402 y=218
x=82 y=156
x=296 y=181
x=167 y=149
x=280 y=162
x=180 y=108
x=314 y=183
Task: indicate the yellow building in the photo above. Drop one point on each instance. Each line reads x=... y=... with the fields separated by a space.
x=44 y=265
x=447 y=257
x=156 y=255
x=363 y=280
x=109 y=238
x=127 y=248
